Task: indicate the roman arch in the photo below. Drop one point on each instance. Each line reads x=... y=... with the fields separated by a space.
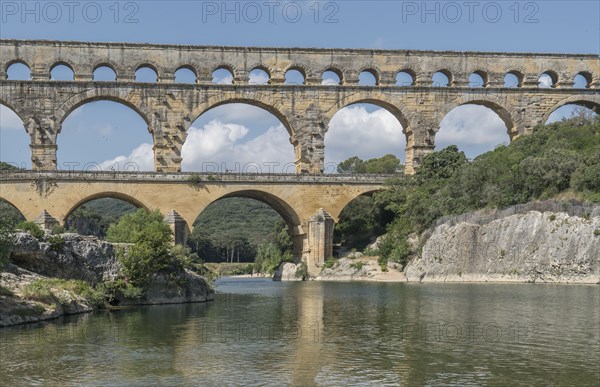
x=169 y=108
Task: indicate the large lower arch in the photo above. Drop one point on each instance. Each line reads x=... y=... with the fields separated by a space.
x=510 y=119
x=360 y=222
x=284 y=209
x=336 y=209
x=100 y=195
x=8 y=210
x=590 y=102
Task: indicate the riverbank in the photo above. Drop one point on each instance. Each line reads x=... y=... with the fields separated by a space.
x=527 y=247
x=79 y=275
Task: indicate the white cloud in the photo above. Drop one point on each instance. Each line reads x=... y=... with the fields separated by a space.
x=545 y=80
x=9 y=119
x=472 y=125
x=354 y=131
x=140 y=159
x=225 y=79
x=258 y=78
x=222 y=144
x=330 y=81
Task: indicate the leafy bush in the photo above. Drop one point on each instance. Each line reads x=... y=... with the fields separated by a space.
x=6 y=292
x=58 y=229
x=330 y=263
x=151 y=251
x=269 y=257
x=56 y=242
x=357 y=265
x=128 y=290
x=33 y=229
x=302 y=271
x=7 y=242
x=597 y=232
x=184 y=256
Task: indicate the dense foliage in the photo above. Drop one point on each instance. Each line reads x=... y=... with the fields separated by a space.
x=151 y=249
x=6 y=241
x=387 y=164
x=32 y=228
x=269 y=257
x=558 y=160
x=363 y=219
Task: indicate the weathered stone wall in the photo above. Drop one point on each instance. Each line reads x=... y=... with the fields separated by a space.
x=305 y=110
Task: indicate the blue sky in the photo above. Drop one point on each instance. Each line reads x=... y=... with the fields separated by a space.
x=105 y=132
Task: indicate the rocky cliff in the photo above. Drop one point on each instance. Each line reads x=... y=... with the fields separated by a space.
x=76 y=275
x=529 y=247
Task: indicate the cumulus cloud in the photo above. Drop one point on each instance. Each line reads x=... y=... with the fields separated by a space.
x=140 y=159
x=474 y=129
x=258 y=78
x=223 y=77
x=354 y=131
x=221 y=146
x=545 y=80
x=330 y=81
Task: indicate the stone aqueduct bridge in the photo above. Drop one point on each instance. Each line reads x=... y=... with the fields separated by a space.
x=305 y=110
x=310 y=204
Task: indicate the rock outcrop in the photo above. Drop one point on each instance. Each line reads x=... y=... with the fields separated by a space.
x=88 y=259
x=530 y=247
x=286 y=272
x=361 y=268
x=80 y=257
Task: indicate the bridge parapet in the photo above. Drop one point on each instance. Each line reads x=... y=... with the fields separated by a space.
x=192 y=178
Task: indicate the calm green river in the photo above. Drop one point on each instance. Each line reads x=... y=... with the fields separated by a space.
x=260 y=332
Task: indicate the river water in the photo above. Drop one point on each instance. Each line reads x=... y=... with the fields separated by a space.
x=260 y=332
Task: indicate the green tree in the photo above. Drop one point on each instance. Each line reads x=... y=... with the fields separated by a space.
x=130 y=226
x=388 y=164
x=269 y=257
x=151 y=249
x=352 y=165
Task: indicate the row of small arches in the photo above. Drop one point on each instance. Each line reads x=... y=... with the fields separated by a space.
x=259 y=76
